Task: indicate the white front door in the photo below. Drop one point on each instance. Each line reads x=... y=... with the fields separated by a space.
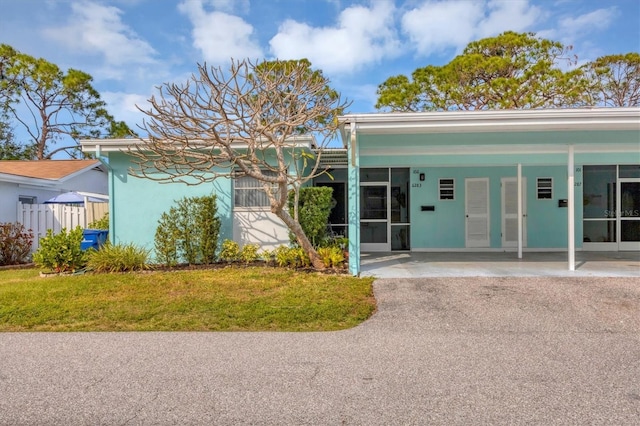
x=510 y=212
x=477 y=212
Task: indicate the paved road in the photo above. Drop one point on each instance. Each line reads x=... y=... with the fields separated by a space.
x=439 y=351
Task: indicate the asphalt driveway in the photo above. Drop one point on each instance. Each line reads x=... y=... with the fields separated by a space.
x=487 y=350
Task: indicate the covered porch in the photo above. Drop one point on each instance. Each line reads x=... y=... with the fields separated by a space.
x=481 y=181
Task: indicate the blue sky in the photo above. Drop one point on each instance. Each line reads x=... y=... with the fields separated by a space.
x=130 y=46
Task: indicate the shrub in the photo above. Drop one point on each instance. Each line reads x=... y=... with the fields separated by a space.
x=314 y=207
x=291 y=257
x=230 y=251
x=61 y=252
x=268 y=255
x=188 y=232
x=118 y=258
x=100 y=223
x=331 y=256
x=166 y=241
x=15 y=243
x=249 y=253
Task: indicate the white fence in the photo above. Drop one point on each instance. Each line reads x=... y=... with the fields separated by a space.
x=40 y=217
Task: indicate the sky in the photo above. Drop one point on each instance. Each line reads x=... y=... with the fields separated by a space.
x=132 y=46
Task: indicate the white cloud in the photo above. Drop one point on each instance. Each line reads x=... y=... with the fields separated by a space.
x=506 y=15
x=220 y=36
x=123 y=107
x=95 y=28
x=436 y=26
x=362 y=36
x=597 y=20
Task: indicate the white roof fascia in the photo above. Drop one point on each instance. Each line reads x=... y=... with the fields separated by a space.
x=118 y=145
x=24 y=180
x=495 y=121
x=496 y=149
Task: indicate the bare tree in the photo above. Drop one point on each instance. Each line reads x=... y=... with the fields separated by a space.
x=248 y=121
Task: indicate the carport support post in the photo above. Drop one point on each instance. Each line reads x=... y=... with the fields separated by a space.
x=571 y=211
x=353 y=185
x=520 y=233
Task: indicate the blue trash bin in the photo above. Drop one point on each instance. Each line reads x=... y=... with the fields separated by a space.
x=93 y=238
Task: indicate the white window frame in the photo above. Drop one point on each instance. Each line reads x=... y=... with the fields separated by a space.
x=31 y=199
x=544 y=189
x=449 y=187
x=258 y=187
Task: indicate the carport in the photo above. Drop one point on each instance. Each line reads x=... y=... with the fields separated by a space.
x=470 y=176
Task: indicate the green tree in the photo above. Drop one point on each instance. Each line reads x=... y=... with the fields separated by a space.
x=53 y=107
x=243 y=122
x=509 y=71
x=614 y=80
x=9 y=148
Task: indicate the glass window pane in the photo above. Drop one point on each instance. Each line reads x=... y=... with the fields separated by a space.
x=599 y=231
x=630 y=199
x=374 y=175
x=630 y=230
x=630 y=171
x=599 y=199
x=373 y=232
x=400 y=237
x=373 y=202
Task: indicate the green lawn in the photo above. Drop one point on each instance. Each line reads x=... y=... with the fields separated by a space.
x=230 y=299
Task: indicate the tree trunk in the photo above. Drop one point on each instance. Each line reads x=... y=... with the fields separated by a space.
x=295 y=227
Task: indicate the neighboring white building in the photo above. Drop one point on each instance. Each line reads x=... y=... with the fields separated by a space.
x=34 y=182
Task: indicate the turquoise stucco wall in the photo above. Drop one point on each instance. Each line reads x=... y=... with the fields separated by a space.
x=444 y=228
x=137 y=204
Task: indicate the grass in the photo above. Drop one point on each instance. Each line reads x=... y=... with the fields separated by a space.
x=229 y=299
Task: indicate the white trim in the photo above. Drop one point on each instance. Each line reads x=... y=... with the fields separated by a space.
x=561 y=119
x=118 y=145
x=502 y=149
x=571 y=219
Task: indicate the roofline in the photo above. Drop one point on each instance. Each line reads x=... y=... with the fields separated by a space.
x=96 y=163
x=118 y=145
x=530 y=120
x=21 y=179
x=26 y=180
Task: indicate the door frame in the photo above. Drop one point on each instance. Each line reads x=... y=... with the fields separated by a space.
x=377 y=247
x=630 y=245
x=477 y=243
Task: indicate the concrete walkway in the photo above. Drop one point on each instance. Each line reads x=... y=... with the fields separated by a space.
x=439 y=351
x=499 y=264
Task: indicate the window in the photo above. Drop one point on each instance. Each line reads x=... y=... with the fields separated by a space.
x=446 y=189
x=249 y=192
x=27 y=199
x=545 y=188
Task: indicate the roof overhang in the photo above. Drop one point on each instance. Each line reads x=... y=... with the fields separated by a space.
x=560 y=120
x=120 y=145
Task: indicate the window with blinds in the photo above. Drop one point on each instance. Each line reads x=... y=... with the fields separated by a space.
x=249 y=192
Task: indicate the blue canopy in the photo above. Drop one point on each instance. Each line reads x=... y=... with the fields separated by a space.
x=74 y=198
